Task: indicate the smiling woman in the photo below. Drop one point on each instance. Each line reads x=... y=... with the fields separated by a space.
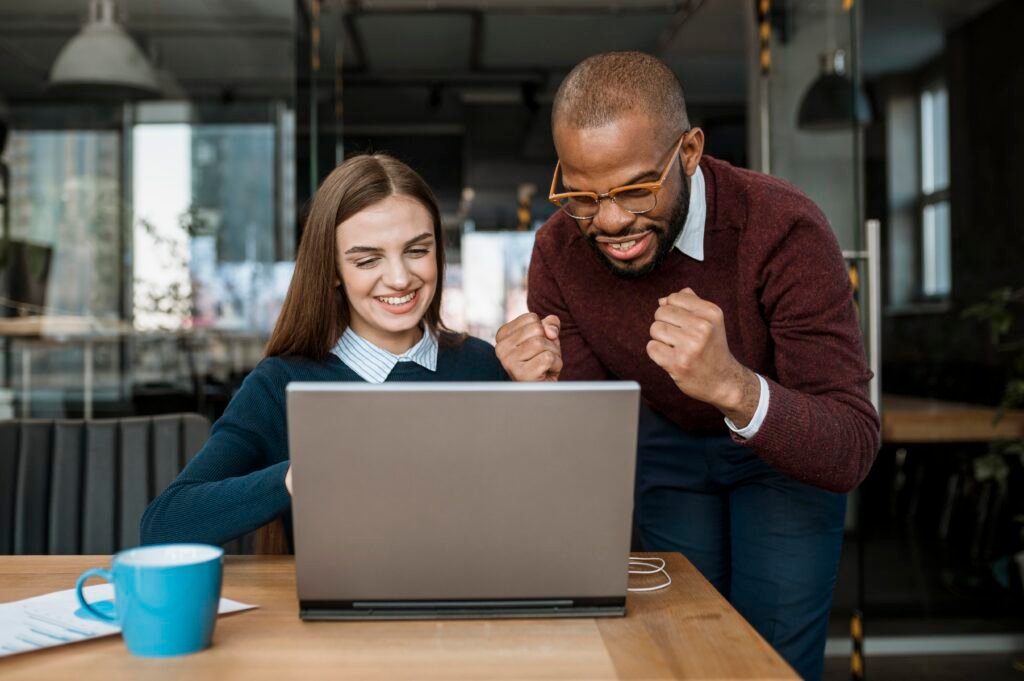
x=388 y=276
x=363 y=220
x=363 y=305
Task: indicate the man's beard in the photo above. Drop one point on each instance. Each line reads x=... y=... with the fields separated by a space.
x=666 y=239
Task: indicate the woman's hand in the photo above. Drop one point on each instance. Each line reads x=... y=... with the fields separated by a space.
x=288 y=480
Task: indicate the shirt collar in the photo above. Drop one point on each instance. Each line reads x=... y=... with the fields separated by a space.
x=374 y=364
x=691 y=240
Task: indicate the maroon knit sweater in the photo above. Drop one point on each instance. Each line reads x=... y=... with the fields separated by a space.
x=773 y=265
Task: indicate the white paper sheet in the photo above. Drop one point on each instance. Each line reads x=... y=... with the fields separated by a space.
x=50 y=620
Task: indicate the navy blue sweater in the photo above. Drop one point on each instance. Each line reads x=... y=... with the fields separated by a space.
x=235 y=484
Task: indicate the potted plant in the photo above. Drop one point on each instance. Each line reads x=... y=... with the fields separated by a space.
x=1002 y=313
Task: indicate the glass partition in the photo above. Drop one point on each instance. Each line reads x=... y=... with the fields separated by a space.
x=146 y=243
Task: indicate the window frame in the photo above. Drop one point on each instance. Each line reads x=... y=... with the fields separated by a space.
x=932 y=79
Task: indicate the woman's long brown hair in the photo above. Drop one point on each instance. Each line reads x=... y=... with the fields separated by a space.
x=315 y=311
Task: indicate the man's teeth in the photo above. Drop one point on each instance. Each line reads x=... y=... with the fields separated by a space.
x=624 y=246
x=397 y=301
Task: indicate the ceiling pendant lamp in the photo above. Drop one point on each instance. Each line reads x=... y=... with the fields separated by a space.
x=103 y=62
x=832 y=102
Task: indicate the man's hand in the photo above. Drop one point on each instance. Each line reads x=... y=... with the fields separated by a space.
x=528 y=348
x=688 y=341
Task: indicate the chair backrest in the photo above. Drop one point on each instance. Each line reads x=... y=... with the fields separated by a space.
x=271 y=539
x=72 y=486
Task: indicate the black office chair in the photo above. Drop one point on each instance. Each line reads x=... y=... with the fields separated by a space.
x=80 y=487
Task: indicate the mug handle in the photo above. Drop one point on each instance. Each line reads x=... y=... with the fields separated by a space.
x=94 y=572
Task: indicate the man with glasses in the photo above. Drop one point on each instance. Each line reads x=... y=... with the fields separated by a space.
x=723 y=292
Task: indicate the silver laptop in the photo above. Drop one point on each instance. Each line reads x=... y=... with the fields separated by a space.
x=462 y=500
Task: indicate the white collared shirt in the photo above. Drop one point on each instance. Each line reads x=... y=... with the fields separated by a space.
x=374 y=364
x=691 y=243
x=691 y=239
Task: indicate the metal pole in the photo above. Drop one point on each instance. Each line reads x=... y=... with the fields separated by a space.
x=766 y=126
x=26 y=379
x=314 y=86
x=88 y=380
x=858 y=670
x=874 y=248
x=764 y=34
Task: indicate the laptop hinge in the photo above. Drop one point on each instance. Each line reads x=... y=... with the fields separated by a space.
x=460 y=605
x=459 y=609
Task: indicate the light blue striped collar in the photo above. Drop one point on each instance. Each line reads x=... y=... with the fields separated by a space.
x=374 y=364
x=691 y=240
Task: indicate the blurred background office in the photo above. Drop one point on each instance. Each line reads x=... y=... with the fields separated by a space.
x=156 y=158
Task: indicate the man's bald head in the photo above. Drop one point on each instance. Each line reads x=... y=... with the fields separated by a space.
x=606 y=87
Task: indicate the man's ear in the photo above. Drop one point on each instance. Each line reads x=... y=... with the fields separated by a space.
x=692 y=150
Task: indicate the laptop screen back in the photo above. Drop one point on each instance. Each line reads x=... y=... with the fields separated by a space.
x=462 y=491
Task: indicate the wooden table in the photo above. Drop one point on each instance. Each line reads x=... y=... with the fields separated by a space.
x=685 y=632
x=910 y=420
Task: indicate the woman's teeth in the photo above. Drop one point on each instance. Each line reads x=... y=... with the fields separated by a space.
x=390 y=300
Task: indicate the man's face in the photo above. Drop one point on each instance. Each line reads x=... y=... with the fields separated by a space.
x=629 y=150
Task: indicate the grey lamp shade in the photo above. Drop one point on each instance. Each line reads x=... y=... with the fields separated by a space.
x=103 y=62
x=832 y=102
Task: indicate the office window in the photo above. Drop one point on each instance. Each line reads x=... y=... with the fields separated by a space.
x=934 y=193
x=61 y=257
x=65 y=217
x=213 y=247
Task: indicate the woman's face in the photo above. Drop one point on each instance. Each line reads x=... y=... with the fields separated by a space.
x=386 y=262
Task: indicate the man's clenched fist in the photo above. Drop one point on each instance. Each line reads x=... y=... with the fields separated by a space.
x=528 y=348
x=688 y=341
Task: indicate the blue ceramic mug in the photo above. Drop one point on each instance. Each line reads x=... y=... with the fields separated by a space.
x=165 y=597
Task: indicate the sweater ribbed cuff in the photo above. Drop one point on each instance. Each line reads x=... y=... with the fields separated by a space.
x=777 y=441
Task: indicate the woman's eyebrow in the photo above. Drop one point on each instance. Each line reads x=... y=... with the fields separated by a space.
x=426 y=236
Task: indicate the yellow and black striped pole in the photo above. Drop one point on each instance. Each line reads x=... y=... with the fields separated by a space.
x=857 y=655
x=857 y=620
x=764 y=35
x=763 y=10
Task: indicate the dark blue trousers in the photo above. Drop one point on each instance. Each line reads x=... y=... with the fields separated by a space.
x=769 y=544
